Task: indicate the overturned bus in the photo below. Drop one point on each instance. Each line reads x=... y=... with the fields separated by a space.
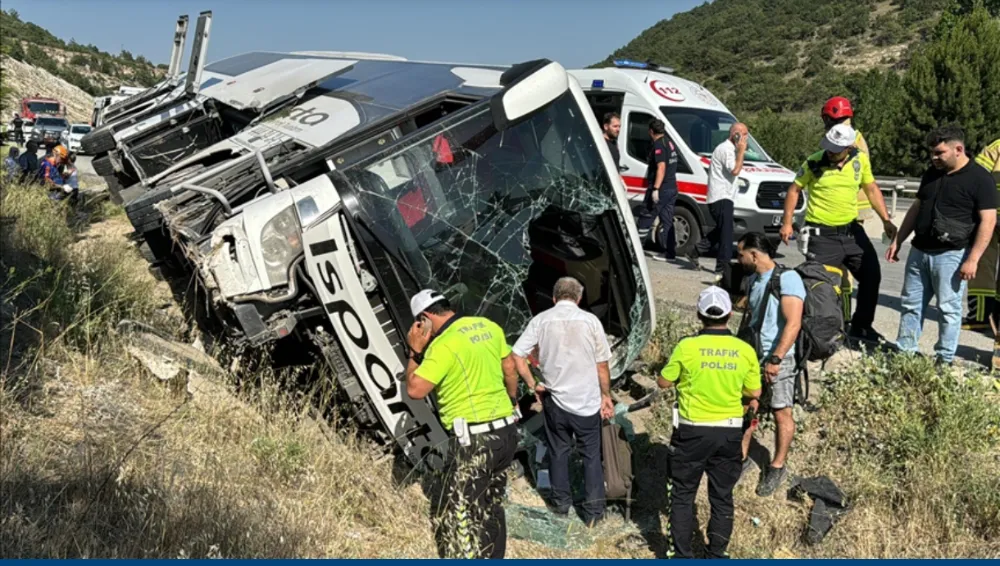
x=211 y=104
x=488 y=184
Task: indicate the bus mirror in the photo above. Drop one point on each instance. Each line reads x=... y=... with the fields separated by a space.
x=527 y=88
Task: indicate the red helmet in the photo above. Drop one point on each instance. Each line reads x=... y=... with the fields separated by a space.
x=838 y=108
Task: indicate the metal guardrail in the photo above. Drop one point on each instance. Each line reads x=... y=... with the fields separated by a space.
x=897 y=185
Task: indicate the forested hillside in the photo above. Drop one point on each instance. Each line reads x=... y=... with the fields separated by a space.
x=906 y=64
x=84 y=66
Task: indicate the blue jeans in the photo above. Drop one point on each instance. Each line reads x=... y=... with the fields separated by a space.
x=928 y=275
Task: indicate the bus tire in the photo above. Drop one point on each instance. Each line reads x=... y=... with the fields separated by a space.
x=102 y=166
x=98 y=141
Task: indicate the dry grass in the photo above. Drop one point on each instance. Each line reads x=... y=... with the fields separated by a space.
x=916 y=450
x=99 y=459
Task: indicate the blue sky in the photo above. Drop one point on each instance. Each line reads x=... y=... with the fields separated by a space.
x=574 y=32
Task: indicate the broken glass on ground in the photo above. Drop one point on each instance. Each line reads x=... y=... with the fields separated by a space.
x=529 y=519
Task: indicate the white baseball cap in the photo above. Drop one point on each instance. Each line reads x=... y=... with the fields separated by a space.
x=424 y=299
x=838 y=138
x=714 y=297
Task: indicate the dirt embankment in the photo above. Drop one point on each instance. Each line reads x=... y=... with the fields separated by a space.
x=26 y=80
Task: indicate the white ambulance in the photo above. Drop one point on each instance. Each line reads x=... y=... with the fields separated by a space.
x=697 y=122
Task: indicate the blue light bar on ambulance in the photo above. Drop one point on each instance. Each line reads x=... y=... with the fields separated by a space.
x=597 y=83
x=640 y=65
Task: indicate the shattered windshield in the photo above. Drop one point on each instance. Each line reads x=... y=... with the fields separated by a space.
x=703 y=130
x=44 y=107
x=51 y=123
x=493 y=219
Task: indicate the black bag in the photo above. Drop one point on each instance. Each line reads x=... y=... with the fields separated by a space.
x=822 y=315
x=951 y=231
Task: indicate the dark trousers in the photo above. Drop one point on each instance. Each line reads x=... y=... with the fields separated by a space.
x=852 y=249
x=560 y=428
x=721 y=235
x=473 y=524
x=704 y=450
x=664 y=210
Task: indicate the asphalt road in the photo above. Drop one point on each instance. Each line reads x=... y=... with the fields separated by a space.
x=681 y=282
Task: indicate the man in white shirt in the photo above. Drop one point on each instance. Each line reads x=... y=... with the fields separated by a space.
x=725 y=168
x=573 y=355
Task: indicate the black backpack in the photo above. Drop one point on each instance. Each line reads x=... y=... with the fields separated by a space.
x=822 y=331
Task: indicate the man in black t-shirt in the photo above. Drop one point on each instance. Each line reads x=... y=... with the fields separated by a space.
x=661 y=192
x=612 y=126
x=952 y=220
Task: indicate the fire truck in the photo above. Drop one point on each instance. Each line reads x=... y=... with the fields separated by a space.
x=32 y=106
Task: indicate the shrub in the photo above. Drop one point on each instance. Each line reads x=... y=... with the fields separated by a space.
x=672 y=325
x=922 y=442
x=75 y=297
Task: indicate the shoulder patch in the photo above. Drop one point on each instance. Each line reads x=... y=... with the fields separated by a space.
x=658 y=151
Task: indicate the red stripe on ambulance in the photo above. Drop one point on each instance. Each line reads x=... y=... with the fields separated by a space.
x=697 y=191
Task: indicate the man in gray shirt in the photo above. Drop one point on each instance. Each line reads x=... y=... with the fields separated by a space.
x=573 y=355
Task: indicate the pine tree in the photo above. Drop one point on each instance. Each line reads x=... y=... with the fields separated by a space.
x=880 y=102
x=955 y=79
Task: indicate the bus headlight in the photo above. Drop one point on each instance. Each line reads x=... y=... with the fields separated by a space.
x=743 y=185
x=280 y=243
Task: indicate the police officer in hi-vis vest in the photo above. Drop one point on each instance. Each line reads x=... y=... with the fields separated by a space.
x=712 y=372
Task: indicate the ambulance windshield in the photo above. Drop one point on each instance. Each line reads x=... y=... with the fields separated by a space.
x=703 y=130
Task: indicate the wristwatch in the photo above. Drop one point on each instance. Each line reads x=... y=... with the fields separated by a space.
x=773 y=360
x=417 y=356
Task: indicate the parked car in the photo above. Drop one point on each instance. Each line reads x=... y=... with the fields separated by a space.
x=48 y=130
x=71 y=137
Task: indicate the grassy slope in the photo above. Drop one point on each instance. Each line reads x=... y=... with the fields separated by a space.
x=99 y=459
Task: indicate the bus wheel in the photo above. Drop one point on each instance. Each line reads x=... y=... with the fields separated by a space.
x=687 y=231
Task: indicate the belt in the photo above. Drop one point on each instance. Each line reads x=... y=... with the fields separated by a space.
x=491 y=426
x=819 y=230
x=724 y=423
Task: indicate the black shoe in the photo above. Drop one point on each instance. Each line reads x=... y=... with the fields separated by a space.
x=692 y=256
x=771 y=481
x=592 y=522
x=558 y=510
x=866 y=334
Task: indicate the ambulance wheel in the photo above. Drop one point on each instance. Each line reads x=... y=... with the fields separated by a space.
x=687 y=231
